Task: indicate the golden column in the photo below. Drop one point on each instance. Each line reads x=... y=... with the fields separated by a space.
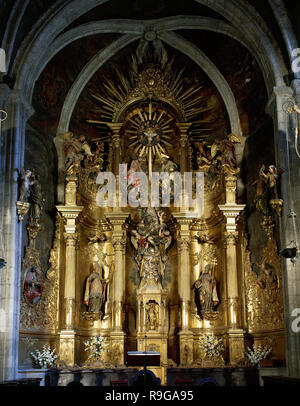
x=184 y=287
x=117 y=220
x=70 y=213
x=231 y=211
x=184 y=145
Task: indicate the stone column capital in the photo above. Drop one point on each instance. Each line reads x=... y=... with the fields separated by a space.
x=277 y=98
x=16 y=97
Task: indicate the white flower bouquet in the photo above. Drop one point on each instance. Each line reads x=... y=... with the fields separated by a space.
x=95 y=346
x=211 y=346
x=256 y=354
x=45 y=358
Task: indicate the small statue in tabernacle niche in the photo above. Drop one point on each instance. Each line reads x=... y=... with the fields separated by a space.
x=96 y=289
x=36 y=200
x=33 y=285
x=152 y=317
x=206 y=297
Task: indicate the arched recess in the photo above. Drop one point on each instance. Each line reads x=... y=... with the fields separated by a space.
x=241 y=15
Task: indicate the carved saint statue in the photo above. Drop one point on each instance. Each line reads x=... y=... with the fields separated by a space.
x=25 y=179
x=95 y=290
x=152 y=316
x=205 y=285
x=36 y=200
x=151 y=238
x=271 y=178
x=33 y=287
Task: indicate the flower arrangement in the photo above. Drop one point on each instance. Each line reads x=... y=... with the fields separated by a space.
x=256 y=354
x=96 y=348
x=45 y=358
x=211 y=346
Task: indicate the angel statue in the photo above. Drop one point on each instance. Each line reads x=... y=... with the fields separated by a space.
x=74 y=150
x=96 y=289
x=271 y=178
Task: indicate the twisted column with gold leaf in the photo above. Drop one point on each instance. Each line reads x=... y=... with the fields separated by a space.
x=231 y=211
x=184 y=286
x=70 y=213
x=117 y=220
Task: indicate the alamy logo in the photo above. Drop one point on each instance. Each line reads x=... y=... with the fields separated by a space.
x=162 y=189
x=2 y=61
x=296 y=322
x=296 y=61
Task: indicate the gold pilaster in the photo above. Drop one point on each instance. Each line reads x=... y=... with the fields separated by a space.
x=116 y=128
x=70 y=213
x=184 y=140
x=231 y=212
x=184 y=287
x=117 y=220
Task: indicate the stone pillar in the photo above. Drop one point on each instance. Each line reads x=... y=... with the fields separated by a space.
x=117 y=220
x=12 y=146
x=231 y=211
x=184 y=287
x=286 y=158
x=184 y=144
x=70 y=213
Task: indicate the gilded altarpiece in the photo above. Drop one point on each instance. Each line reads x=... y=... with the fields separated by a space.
x=153 y=278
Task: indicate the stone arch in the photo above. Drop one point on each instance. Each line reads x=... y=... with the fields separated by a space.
x=164 y=24
x=60 y=15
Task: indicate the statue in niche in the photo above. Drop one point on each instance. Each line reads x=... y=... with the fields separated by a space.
x=152 y=317
x=33 y=287
x=96 y=289
x=151 y=239
x=205 y=286
x=36 y=200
